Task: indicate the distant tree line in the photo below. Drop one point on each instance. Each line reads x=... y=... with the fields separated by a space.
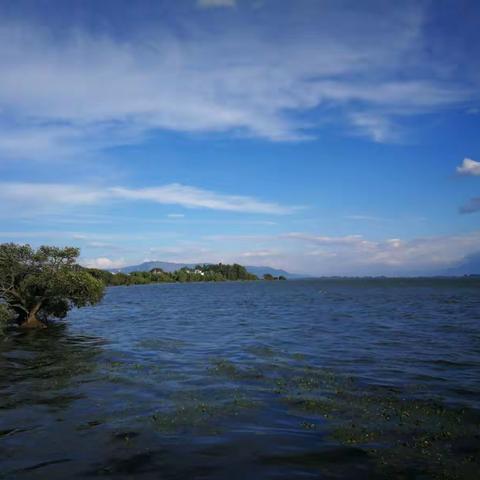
x=269 y=277
x=201 y=273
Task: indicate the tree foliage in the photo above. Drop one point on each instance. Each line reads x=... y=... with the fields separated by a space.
x=42 y=283
x=6 y=316
x=201 y=273
x=269 y=277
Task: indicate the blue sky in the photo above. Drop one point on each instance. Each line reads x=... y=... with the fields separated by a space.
x=322 y=137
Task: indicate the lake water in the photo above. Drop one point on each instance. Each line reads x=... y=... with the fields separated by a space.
x=329 y=379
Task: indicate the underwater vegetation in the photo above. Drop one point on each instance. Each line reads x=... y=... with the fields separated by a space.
x=395 y=428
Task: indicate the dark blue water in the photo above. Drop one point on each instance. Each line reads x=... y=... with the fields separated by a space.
x=297 y=379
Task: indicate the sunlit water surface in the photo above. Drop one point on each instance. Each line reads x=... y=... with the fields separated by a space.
x=330 y=379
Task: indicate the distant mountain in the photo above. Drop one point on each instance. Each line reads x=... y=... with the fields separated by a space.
x=171 y=267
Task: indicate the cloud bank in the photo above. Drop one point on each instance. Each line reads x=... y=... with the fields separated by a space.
x=357 y=255
x=320 y=255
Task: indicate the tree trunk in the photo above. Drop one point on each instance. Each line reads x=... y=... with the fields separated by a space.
x=32 y=320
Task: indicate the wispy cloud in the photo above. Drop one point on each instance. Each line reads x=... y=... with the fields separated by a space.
x=367 y=218
x=191 y=197
x=216 y=3
x=469 y=167
x=248 y=79
x=257 y=254
x=43 y=195
x=54 y=197
x=374 y=125
x=347 y=240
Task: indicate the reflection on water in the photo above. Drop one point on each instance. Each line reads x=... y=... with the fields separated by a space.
x=322 y=379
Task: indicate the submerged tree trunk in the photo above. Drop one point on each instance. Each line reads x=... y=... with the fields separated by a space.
x=31 y=320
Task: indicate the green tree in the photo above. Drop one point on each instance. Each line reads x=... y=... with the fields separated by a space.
x=42 y=283
x=103 y=275
x=121 y=279
x=6 y=315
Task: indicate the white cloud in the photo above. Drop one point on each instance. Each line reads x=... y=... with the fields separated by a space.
x=216 y=3
x=54 y=197
x=469 y=167
x=62 y=95
x=175 y=215
x=103 y=263
x=376 y=127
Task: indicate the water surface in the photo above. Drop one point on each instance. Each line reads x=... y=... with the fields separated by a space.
x=329 y=379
